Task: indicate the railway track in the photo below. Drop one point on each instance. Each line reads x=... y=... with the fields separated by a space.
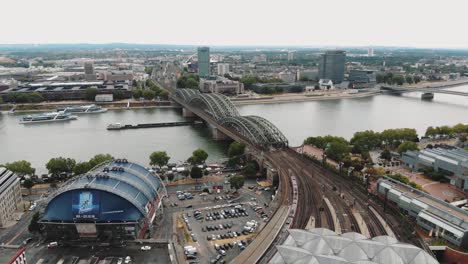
x=330 y=180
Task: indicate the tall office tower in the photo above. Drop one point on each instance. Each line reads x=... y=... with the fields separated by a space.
x=89 y=71
x=332 y=65
x=203 y=61
x=370 y=52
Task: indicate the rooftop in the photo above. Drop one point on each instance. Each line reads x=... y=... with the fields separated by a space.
x=437 y=207
x=321 y=245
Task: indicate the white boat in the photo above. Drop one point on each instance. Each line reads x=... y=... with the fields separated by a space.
x=47 y=117
x=115 y=126
x=83 y=109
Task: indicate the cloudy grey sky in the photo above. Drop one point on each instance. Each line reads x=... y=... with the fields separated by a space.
x=416 y=23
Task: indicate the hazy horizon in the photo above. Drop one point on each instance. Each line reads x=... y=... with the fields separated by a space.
x=296 y=23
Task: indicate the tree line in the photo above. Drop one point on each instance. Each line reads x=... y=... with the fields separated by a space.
x=391 y=78
x=152 y=90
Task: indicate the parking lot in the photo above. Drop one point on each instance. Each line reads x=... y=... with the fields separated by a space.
x=219 y=225
x=101 y=255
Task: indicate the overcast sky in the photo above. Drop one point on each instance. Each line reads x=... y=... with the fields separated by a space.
x=415 y=23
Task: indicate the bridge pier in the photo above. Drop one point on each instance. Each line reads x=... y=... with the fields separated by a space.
x=187 y=113
x=218 y=135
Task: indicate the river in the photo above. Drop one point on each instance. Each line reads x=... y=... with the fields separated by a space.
x=87 y=136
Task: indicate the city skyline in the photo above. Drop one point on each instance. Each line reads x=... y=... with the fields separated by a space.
x=360 y=23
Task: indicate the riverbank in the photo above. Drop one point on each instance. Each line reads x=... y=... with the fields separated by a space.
x=302 y=97
x=52 y=106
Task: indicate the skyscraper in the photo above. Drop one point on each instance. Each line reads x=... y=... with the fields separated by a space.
x=332 y=65
x=89 y=71
x=203 y=61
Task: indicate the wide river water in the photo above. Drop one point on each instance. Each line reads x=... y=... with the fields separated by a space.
x=87 y=136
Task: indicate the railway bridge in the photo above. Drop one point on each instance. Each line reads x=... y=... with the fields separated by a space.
x=426 y=91
x=302 y=184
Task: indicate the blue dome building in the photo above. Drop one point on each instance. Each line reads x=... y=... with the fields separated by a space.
x=115 y=201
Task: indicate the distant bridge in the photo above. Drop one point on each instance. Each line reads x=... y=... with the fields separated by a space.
x=220 y=112
x=440 y=90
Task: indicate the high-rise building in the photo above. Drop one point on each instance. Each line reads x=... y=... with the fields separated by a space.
x=203 y=61
x=291 y=55
x=223 y=68
x=89 y=71
x=10 y=195
x=370 y=52
x=332 y=65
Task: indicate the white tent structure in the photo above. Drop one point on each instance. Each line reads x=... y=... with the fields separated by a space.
x=323 y=246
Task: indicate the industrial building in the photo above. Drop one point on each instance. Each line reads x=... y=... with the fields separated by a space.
x=204 y=61
x=451 y=161
x=10 y=195
x=321 y=245
x=362 y=78
x=51 y=90
x=332 y=65
x=440 y=219
x=221 y=85
x=115 y=201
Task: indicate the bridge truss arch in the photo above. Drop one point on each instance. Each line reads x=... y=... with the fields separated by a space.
x=256 y=130
x=217 y=105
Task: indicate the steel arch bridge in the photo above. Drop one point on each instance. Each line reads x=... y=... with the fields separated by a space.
x=255 y=129
x=217 y=105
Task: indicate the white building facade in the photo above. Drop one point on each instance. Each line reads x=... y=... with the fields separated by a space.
x=10 y=195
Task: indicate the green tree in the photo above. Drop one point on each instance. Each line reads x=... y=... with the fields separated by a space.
x=386 y=155
x=90 y=93
x=28 y=184
x=35 y=97
x=34 y=226
x=21 y=168
x=196 y=173
x=170 y=176
x=98 y=159
x=237 y=182
x=159 y=158
x=338 y=150
x=164 y=94
x=407 y=145
x=137 y=93
x=198 y=156
x=60 y=165
x=380 y=78
x=236 y=149
x=398 y=79
x=248 y=81
x=53 y=185
x=149 y=94
x=149 y=70
x=417 y=79
x=409 y=79
x=250 y=169
x=188 y=81
x=118 y=95
x=366 y=140
x=81 y=168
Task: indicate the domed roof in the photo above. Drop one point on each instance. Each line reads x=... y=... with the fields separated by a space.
x=323 y=246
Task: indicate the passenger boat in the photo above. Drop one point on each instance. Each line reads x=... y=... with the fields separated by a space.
x=83 y=109
x=116 y=126
x=47 y=117
x=427 y=96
